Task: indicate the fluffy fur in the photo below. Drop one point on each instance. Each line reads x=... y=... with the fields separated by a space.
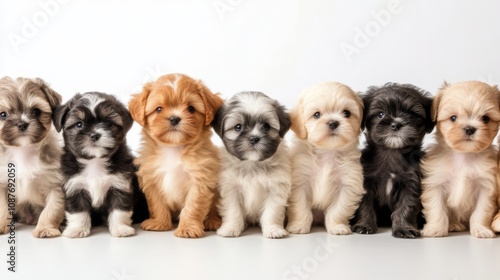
x=27 y=140
x=97 y=164
x=327 y=174
x=255 y=180
x=178 y=164
x=460 y=170
x=397 y=117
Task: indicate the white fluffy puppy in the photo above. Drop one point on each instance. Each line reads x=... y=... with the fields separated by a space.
x=327 y=175
x=255 y=179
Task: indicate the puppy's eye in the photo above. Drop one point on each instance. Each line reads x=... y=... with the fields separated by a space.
x=266 y=127
x=191 y=109
x=107 y=123
x=381 y=115
x=3 y=115
x=346 y=114
x=79 y=125
x=453 y=118
x=485 y=119
x=237 y=127
x=317 y=115
x=36 y=112
x=159 y=109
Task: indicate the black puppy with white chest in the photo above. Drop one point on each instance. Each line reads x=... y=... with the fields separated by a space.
x=97 y=164
x=397 y=117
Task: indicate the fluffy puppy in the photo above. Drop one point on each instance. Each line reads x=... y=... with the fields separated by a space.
x=178 y=164
x=97 y=164
x=397 y=117
x=27 y=140
x=255 y=180
x=460 y=170
x=327 y=174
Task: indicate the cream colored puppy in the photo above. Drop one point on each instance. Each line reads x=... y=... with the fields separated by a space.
x=460 y=170
x=327 y=175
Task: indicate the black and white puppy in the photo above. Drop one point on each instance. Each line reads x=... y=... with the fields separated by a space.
x=397 y=117
x=97 y=165
x=255 y=180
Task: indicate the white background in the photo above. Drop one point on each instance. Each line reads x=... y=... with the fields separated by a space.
x=278 y=47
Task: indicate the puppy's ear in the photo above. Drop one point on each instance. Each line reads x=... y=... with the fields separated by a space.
x=435 y=102
x=367 y=99
x=298 y=125
x=430 y=121
x=137 y=106
x=60 y=113
x=53 y=97
x=283 y=117
x=218 y=121
x=361 y=107
x=211 y=101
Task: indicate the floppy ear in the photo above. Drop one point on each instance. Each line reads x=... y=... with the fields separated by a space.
x=137 y=106
x=211 y=101
x=297 y=120
x=367 y=101
x=361 y=107
x=53 y=97
x=218 y=121
x=430 y=121
x=283 y=118
x=59 y=115
x=435 y=102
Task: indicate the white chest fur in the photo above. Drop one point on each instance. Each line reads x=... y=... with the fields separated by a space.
x=174 y=174
x=327 y=177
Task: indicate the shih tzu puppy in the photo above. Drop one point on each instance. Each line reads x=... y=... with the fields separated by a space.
x=178 y=163
x=27 y=141
x=97 y=164
x=326 y=170
x=397 y=117
x=255 y=179
x=460 y=170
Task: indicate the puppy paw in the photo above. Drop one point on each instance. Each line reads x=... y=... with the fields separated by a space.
x=121 y=231
x=212 y=223
x=156 y=225
x=46 y=232
x=227 y=230
x=76 y=232
x=4 y=228
x=364 y=229
x=496 y=224
x=189 y=232
x=298 y=229
x=340 y=229
x=482 y=232
x=274 y=232
x=406 y=233
x=434 y=232
x=456 y=227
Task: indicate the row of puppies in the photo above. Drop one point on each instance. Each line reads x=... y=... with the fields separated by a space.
x=179 y=165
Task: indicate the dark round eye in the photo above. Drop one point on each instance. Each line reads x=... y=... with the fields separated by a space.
x=453 y=118
x=346 y=114
x=3 y=115
x=191 y=109
x=317 y=115
x=237 y=127
x=485 y=119
x=79 y=125
x=266 y=127
x=107 y=123
x=158 y=109
x=36 y=112
x=381 y=115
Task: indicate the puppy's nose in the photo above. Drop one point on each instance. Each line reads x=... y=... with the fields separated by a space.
x=470 y=130
x=174 y=120
x=254 y=140
x=95 y=137
x=333 y=124
x=395 y=126
x=22 y=126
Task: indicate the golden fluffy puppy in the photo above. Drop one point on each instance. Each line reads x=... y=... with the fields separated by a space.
x=460 y=170
x=496 y=221
x=178 y=163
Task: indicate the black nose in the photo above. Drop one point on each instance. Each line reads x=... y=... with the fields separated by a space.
x=22 y=126
x=333 y=124
x=470 y=130
x=175 y=120
x=95 y=136
x=395 y=126
x=254 y=140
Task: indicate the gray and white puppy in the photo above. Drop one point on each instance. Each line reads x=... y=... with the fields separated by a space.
x=28 y=143
x=255 y=180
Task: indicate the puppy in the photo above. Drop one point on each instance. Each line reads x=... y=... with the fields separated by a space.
x=327 y=174
x=97 y=164
x=397 y=117
x=27 y=141
x=178 y=164
x=460 y=170
x=255 y=180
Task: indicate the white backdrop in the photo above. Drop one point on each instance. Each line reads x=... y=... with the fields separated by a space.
x=278 y=47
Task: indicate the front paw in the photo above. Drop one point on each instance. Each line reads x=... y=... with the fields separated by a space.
x=405 y=233
x=4 y=228
x=274 y=232
x=156 y=225
x=192 y=231
x=496 y=224
x=121 y=231
x=430 y=231
x=228 y=230
x=456 y=227
x=46 y=232
x=482 y=232
x=364 y=229
x=339 y=229
x=212 y=223
x=76 y=232
x=296 y=228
